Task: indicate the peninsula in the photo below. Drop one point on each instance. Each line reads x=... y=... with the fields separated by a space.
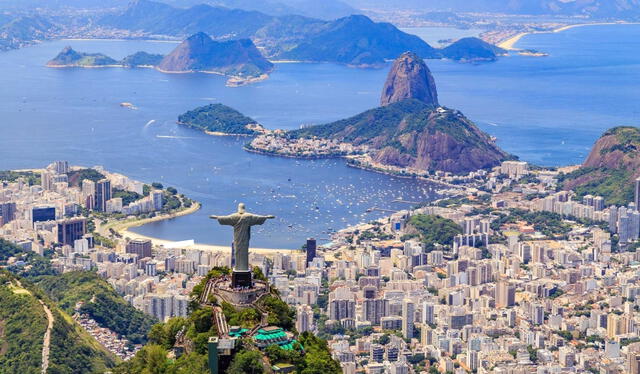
x=409 y=130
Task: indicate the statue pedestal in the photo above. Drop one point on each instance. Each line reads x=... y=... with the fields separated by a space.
x=241 y=279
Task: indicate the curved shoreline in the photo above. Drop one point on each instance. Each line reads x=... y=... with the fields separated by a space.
x=285 y=155
x=509 y=44
x=122 y=228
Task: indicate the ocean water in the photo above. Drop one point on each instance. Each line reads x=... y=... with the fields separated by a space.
x=433 y=35
x=547 y=111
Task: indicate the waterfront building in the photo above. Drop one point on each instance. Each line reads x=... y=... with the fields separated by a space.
x=157 y=199
x=141 y=247
x=311 y=250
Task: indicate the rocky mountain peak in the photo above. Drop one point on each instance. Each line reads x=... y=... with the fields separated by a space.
x=409 y=78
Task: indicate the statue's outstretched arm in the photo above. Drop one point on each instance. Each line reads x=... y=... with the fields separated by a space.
x=225 y=220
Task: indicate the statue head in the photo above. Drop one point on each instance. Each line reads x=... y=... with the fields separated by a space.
x=241 y=208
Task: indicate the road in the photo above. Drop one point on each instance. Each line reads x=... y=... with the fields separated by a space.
x=47 y=338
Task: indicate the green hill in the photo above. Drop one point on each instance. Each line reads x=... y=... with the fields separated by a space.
x=141 y=59
x=22 y=326
x=70 y=58
x=472 y=49
x=410 y=133
x=357 y=40
x=247 y=358
x=101 y=302
x=218 y=118
x=23 y=323
x=611 y=168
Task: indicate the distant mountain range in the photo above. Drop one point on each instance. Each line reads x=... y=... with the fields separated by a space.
x=332 y=9
x=353 y=40
x=591 y=8
x=325 y=9
x=21 y=30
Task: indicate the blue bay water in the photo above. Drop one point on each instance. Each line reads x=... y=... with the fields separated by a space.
x=546 y=110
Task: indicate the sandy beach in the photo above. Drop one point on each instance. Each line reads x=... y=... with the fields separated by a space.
x=123 y=229
x=509 y=44
x=205 y=247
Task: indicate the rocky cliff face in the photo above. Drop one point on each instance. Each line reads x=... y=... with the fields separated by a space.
x=440 y=140
x=409 y=78
x=201 y=53
x=411 y=130
x=611 y=168
x=410 y=133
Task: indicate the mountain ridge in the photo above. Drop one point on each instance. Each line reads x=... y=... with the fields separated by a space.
x=353 y=40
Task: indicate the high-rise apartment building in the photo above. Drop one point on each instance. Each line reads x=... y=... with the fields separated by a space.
x=7 y=213
x=505 y=294
x=304 y=318
x=103 y=194
x=311 y=250
x=141 y=247
x=408 y=312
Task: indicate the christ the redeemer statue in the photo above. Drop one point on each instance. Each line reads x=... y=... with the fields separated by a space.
x=241 y=222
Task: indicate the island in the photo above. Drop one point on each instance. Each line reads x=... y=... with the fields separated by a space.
x=239 y=60
x=219 y=119
x=69 y=57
